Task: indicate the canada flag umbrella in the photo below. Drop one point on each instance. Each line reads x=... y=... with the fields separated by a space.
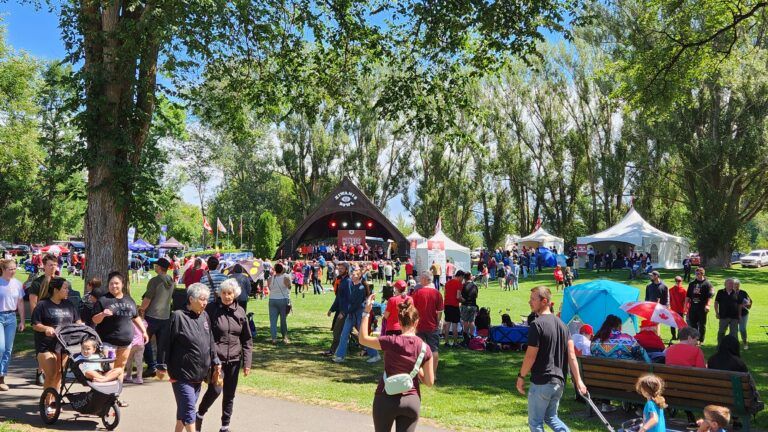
x=54 y=249
x=654 y=312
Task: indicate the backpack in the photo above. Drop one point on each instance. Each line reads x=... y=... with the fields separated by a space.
x=476 y=344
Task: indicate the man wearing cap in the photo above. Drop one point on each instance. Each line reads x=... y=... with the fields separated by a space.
x=156 y=310
x=452 y=312
x=583 y=340
x=657 y=291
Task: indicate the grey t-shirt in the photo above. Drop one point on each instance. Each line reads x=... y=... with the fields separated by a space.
x=550 y=335
x=159 y=290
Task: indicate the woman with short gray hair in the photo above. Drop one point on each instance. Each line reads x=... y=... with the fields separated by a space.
x=233 y=343
x=189 y=354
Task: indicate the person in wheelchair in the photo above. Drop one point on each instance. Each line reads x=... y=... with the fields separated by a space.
x=93 y=371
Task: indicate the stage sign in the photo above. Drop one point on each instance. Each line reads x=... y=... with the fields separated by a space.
x=436 y=254
x=351 y=237
x=581 y=249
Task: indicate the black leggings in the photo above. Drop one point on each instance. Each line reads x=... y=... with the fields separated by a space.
x=403 y=411
x=230 y=372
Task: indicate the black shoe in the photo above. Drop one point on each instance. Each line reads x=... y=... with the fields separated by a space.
x=149 y=373
x=39 y=378
x=198 y=423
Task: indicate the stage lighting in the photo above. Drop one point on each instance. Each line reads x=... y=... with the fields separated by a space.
x=343 y=224
x=369 y=224
x=333 y=224
x=357 y=224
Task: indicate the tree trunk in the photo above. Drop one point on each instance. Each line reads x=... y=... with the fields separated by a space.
x=106 y=228
x=721 y=258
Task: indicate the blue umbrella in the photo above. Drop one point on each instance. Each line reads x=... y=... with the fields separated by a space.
x=592 y=302
x=140 y=246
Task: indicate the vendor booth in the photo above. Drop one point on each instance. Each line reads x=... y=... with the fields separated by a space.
x=541 y=237
x=440 y=249
x=414 y=240
x=591 y=302
x=667 y=250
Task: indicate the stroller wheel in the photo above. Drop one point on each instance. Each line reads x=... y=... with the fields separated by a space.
x=50 y=411
x=111 y=418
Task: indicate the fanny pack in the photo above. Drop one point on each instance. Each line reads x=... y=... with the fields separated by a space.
x=401 y=383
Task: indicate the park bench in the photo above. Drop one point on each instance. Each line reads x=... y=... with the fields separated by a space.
x=686 y=388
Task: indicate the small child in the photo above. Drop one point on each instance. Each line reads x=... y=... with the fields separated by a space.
x=568 y=277
x=136 y=355
x=651 y=388
x=559 y=277
x=92 y=371
x=716 y=419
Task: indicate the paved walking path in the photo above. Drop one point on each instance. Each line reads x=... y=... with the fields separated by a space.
x=152 y=408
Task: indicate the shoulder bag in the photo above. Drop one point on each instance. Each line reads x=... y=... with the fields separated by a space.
x=401 y=383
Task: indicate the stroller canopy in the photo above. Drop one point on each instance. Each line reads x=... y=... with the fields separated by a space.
x=592 y=302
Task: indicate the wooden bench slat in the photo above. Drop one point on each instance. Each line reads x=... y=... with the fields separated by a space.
x=689 y=378
x=631 y=365
x=630 y=381
x=671 y=393
x=671 y=401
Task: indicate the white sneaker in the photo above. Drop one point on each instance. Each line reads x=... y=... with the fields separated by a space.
x=373 y=359
x=746 y=347
x=337 y=359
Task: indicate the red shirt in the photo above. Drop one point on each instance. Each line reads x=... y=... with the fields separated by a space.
x=192 y=276
x=677 y=298
x=650 y=340
x=685 y=355
x=428 y=301
x=408 y=269
x=452 y=287
x=559 y=275
x=393 y=323
x=400 y=354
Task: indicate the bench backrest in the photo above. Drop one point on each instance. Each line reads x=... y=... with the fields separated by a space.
x=686 y=387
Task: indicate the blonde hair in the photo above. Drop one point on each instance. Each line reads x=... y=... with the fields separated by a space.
x=652 y=387
x=721 y=415
x=6 y=263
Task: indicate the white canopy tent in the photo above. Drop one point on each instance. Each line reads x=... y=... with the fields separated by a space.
x=510 y=241
x=667 y=250
x=414 y=239
x=440 y=248
x=541 y=237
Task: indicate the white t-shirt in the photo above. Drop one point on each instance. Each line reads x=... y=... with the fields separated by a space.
x=10 y=293
x=277 y=287
x=581 y=343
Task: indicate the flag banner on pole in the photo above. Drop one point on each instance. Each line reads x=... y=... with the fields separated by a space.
x=206 y=225
x=538 y=224
x=241 y=225
x=231 y=229
x=220 y=226
x=439 y=225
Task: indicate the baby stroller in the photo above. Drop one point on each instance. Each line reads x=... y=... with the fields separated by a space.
x=101 y=398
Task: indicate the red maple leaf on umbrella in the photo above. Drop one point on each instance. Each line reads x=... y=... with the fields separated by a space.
x=663 y=316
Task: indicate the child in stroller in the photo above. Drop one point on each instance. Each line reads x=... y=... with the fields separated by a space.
x=81 y=344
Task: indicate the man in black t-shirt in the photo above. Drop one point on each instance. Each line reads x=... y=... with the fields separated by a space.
x=699 y=293
x=745 y=303
x=657 y=291
x=727 y=310
x=50 y=267
x=468 y=309
x=549 y=354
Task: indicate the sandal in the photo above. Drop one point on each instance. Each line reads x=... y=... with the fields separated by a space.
x=122 y=403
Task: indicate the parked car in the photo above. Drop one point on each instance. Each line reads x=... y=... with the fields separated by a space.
x=20 y=249
x=736 y=257
x=756 y=258
x=695 y=258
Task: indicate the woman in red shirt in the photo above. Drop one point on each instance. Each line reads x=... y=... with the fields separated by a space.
x=392 y=310
x=677 y=301
x=559 y=278
x=194 y=273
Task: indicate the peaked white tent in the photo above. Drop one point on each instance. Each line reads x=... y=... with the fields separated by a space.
x=414 y=239
x=542 y=237
x=441 y=248
x=667 y=250
x=510 y=241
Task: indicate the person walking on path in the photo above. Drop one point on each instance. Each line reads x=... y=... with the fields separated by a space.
x=11 y=301
x=699 y=293
x=357 y=294
x=279 y=286
x=429 y=302
x=677 y=296
x=339 y=304
x=115 y=315
x=190 y=354
x=234 y=345
x=40 y=284
x=549 y=354
x=745 y=304
x=727 y=310
x=156 y=310
x=407 y=354
x=53 y=310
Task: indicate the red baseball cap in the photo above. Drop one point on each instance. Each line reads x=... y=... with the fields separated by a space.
x=400 y=285
x=587 y=329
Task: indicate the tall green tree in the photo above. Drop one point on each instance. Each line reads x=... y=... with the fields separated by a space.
x=267 y=236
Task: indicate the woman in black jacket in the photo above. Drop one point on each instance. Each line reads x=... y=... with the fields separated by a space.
x=727 y=356
x=234 y=343
x=189 y=354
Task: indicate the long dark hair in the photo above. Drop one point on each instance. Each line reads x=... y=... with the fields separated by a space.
x=611 y=323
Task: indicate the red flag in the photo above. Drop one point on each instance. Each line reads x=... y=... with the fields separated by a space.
x=206 y=225
x=439 y=225
x=220 y=226
x=538 y=224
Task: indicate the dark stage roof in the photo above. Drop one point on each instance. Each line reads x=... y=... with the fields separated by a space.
x=346 y=204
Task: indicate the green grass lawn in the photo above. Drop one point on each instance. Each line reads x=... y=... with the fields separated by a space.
x=474 y=390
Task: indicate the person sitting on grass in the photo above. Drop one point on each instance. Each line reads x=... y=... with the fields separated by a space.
x=92 y=371
x=716 y=419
